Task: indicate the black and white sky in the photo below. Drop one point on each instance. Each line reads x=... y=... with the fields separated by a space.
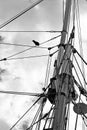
x=28 y=74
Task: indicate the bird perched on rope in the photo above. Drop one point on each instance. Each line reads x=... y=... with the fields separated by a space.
x=36 y=43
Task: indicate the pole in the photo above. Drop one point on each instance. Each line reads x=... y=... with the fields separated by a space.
x=62 y=74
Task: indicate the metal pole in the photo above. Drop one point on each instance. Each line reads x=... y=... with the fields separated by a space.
x=63 y=75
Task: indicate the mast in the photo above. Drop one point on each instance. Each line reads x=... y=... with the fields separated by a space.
x=63 y=73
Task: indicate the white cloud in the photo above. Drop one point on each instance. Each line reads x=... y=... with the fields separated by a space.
x=83 y=20
x=3 y=125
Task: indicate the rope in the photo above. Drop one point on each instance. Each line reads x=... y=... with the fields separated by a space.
x=67 y=115
x=80 y=69
x=52 y=116
x=84 y=120
x=77 y=76
x=30 y=31
x=25 y=114
x=76 y=121
x=23 y=45
x=36 y=116
x=79 y=96
x=53 y=38
x=79 y=36
x=63 y=9
x=81 y=57
x=29 y=57
x=40 y=119
x=21 y=93
x=20 y=14
x=37 y=121
x=48 y=70
x=40 y=115
x=20 y=52
x=32 y=47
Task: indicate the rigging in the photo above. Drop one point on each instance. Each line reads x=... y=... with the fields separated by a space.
x=29 y=48
x=20 y=14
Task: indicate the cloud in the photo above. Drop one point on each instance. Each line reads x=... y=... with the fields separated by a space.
x=24 y=125
x=4 y=125
x=2 y=73
x=83 y=21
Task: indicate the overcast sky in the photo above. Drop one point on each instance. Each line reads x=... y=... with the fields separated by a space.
x=29 y=74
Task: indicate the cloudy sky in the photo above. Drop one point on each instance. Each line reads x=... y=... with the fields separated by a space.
x=28 y=74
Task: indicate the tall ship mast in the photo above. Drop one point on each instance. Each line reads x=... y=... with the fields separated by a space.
x=65 y=90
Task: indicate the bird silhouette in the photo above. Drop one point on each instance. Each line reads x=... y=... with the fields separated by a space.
x=36 y=43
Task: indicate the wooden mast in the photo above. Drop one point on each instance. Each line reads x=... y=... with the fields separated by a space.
x=63 y=74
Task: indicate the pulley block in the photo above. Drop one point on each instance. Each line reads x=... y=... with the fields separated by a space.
x=80 y=108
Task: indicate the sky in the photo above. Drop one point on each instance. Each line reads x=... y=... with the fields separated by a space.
x=29 y=74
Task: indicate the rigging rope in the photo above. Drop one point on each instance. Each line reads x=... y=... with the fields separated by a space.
x=63 y=9
x=48 y=118
x=36 y=115
x=20 y=93
x=40 y=119
x=81 y=57
x=84 y=120
x=32 y=47
x=29 y=57
x=31 y=31
x=79 y=96
x=79 y=36
x=51 y=118
x=80 y=69
x=67 y=117
x=20 y=14
x=43 y=102
x=37 y=122
x=78 y=76
x=48 y=70
x=22 y=45
x=76 y=121
x=25 y=113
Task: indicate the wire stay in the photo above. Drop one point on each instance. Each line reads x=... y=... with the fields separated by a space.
x=20 y=14
x=40 y=119
x=20 y=93
x=22 y=45
x=25 y=45
x=22 y=31
x=29 y=57
x=80 y=69
x=24 y=114
x=29 y=48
